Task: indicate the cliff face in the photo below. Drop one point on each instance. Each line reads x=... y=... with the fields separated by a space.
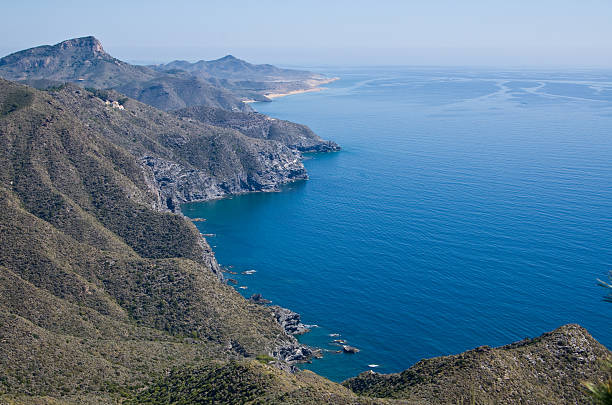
x=184 y=160
x=545 y=370
x=260 y=126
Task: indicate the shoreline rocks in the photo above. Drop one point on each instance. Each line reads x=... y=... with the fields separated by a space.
x=289 y=320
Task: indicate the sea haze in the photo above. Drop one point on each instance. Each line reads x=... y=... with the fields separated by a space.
x=468 y=207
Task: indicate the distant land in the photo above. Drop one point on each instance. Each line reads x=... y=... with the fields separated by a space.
x=108 y=294
x=223 y=83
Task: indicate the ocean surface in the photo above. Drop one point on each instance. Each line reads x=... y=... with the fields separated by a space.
x=468 y=207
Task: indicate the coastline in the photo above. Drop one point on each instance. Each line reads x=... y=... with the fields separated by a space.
x=296 y=352
x=316 y=87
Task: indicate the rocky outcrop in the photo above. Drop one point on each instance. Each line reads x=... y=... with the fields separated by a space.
x=289 y=320
x=259 y=299
x=288 y=352
x=258 y=168
x=256 y=125
x=293 y=353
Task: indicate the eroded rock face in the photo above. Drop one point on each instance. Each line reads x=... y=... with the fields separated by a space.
x=264 y=167
x=293 y=353
x=289 y=320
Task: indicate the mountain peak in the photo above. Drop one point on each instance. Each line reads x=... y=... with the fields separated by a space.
x=87 y=43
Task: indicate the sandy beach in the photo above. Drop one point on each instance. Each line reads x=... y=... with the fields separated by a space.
x=314 y=88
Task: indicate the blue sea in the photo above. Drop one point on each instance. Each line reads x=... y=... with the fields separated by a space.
x=468 y=207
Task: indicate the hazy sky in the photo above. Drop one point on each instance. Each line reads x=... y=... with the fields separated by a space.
x=428 y=32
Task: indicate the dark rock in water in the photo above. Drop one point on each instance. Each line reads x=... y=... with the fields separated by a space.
x=289 y=320
x=350 y=349
x=259 y=299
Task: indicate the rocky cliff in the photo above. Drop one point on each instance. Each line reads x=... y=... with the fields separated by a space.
x=183 y=160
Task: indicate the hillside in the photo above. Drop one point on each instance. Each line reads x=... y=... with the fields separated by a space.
x=100 y=287
x=260 y=126
x=544 y=370
x=184 y=160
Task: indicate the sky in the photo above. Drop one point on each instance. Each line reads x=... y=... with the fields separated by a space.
x=508 y=33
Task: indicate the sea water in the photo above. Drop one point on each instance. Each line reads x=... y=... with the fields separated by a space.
x=467 y=207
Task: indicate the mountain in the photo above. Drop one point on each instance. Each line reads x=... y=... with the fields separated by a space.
x=545 y=370
x=250 y=81
x=222 y=83
x=256 y=125
x=83 y=61
x=230 y=67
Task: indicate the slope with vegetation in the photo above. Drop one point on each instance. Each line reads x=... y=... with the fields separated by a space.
x=256 y=125
x=545 y=370
x=100 y=288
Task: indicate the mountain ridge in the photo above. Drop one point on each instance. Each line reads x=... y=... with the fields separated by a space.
x=221 y=83
x=84 y=62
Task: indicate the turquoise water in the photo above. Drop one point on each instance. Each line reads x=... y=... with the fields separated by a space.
x=467 y=208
